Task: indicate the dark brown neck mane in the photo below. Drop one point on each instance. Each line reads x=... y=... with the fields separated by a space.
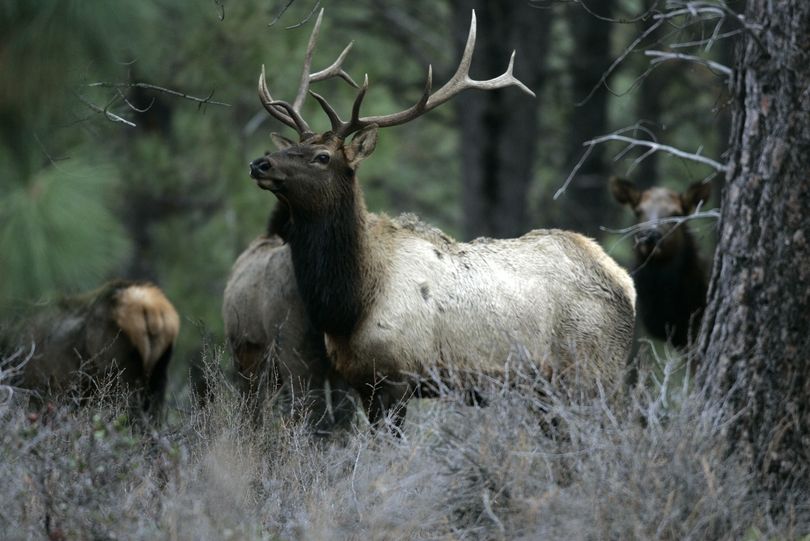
x=333 y=263
x=279 y=220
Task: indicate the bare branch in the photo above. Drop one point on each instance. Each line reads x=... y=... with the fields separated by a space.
x=539 y=4
x=707 y=41
x=300 y=23
x=306 y=19
x=201 y=101
x=280 y=13
x=105 y=110
x=720 y=10
x=633 y=142
x=47 y=154
x=659 y=147
x=574 y=171
x=663 y=56
x=711 y=214
x=629 y=49
x=131 y=106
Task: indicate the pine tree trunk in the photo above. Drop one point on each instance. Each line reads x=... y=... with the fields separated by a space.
x=499 y=129
x=755 y=338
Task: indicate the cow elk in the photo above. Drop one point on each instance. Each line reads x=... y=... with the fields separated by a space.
x=277 y=351
x=670 y=275
x=124 y=331
x=399 y=301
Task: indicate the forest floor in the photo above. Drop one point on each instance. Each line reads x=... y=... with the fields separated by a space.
x=652 y=464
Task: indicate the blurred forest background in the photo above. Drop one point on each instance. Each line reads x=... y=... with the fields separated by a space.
x=113 y=180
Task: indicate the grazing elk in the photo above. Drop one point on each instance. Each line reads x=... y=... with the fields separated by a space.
x=670 y=276
x=398 y=300
x=274 y=345
x=124 y=330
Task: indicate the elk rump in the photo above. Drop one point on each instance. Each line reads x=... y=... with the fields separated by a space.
x=124 y=330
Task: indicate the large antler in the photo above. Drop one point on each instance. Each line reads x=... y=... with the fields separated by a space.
x=291 y=114
x=461 y=80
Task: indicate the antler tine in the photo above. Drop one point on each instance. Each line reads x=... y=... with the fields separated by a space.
x=268 y=102
x=460 y=81
x=303 y=85
x=290 y=114
x=358 y=102
x=340 y=128
x=335 y=70
x=334 y=118
x=298 y=122
x=388 y=120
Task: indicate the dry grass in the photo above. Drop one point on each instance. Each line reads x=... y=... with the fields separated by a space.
x=527 y=466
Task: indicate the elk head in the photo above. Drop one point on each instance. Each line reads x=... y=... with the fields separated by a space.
x=317 y=173
x=659 y=235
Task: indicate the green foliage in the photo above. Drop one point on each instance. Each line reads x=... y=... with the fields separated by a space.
x=57 y=233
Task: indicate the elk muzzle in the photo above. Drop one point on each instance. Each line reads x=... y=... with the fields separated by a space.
x=266 y=174
x=648 y=241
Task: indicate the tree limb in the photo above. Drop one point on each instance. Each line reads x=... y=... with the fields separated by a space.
x=663 y=56
x=202 y=101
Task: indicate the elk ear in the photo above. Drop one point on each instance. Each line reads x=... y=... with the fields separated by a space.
x=624 y=191
x=696 y=193
x=362 y=145
x=281 y=142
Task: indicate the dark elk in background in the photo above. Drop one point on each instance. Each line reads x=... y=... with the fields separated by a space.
x=669 y=274
x=123 y=333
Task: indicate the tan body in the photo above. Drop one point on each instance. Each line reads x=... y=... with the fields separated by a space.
x=551 y=296
x=272 y=340
x=124 y=329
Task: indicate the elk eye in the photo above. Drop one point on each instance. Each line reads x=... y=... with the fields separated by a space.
x=322 y=158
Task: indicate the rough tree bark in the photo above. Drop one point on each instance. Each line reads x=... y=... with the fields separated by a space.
x=584 y=206
x=755 y=338
x=499 y=129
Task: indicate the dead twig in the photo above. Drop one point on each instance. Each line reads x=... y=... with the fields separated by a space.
x=663 y=56
x=300 y=23
x=106 y=110
x=633 y=142
x=202 y=101
x=306 y=19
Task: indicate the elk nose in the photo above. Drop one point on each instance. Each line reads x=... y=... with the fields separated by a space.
x=650 y=237
x=260 y=167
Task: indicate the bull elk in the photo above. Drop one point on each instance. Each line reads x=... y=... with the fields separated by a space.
x=670 y=275
x=124 y=330
x=398 y=300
